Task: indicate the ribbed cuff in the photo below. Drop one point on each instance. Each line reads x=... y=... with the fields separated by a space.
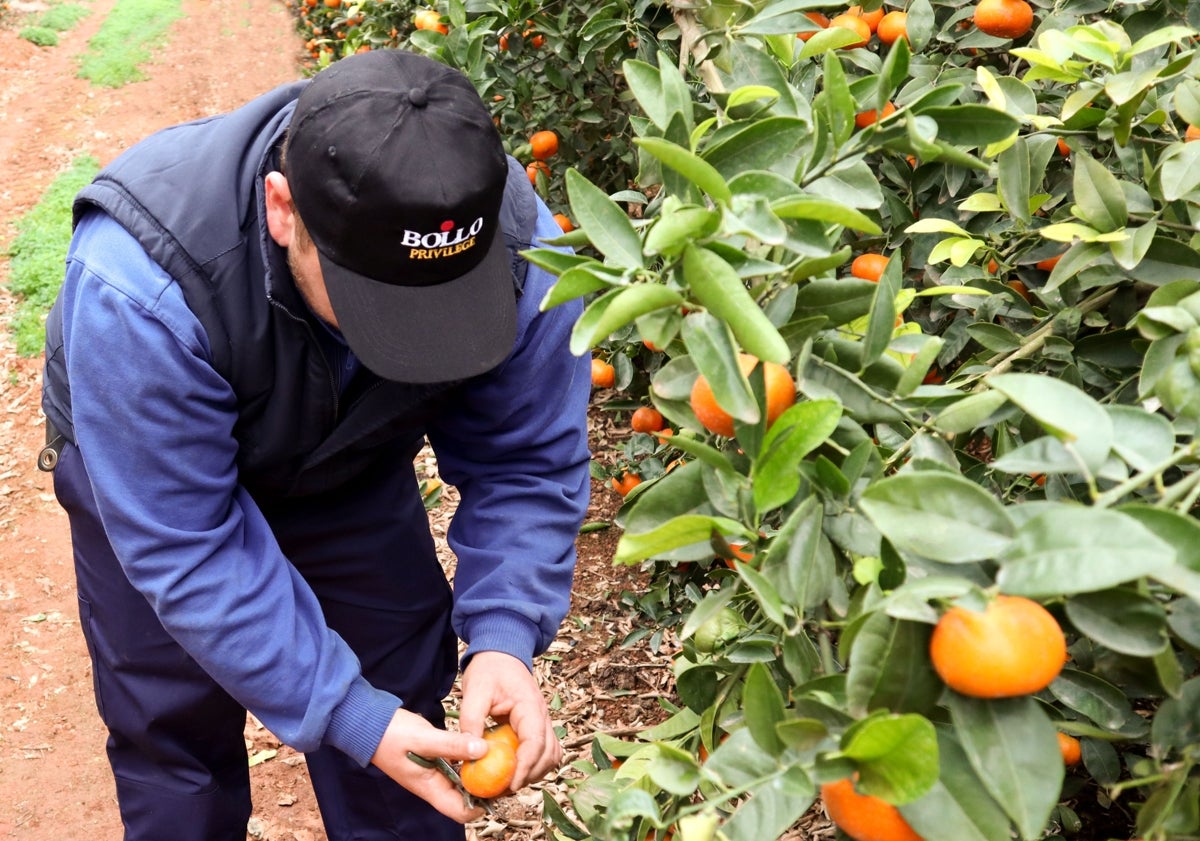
x=358 y=723
x=499 y=630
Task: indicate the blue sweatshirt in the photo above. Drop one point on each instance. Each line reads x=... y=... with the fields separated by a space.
x=154 y=423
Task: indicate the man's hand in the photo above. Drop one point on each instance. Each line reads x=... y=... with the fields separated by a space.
x=499 y=685
x=410 y=732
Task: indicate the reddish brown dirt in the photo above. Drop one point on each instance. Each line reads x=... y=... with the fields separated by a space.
x=54 y=779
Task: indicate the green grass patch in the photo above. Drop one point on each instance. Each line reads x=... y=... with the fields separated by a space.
x=126 y=40
x=59 y=17
x=38 y=254
x=42 y=36
x=63 y=16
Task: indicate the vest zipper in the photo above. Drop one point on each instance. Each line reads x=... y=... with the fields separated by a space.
x=312 y=337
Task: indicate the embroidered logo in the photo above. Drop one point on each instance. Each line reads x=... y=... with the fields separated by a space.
x=447 y=241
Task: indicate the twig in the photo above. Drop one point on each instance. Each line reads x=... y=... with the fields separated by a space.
x=586 y=738
x=1033 y=342
x=690 y=38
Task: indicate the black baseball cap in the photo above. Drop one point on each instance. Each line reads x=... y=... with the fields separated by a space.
x=398 y=173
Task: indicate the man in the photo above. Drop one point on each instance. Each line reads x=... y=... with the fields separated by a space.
x=264 y=314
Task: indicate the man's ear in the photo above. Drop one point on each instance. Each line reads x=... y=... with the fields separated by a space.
x=281 y=213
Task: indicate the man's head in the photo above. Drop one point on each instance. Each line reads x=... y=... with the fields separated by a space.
x=397 y=172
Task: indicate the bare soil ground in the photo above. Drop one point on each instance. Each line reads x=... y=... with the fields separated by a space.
x=54 y=779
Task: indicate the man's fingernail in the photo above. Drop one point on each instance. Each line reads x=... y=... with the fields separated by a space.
x=477 y=748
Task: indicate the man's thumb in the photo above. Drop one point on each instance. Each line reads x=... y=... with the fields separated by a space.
x=450 y=745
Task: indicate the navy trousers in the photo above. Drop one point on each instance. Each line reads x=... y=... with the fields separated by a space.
x=176 y=738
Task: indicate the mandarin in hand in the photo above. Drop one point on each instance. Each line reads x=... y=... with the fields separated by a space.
x=492 y=774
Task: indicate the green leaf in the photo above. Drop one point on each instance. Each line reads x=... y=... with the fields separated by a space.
x=1012 y=746
x=631 y=803
x=752 y=217
x=1180 y=532
x=896 y=756
x=982 y=203
x=824 y=210
x=761 y=144
x=1161 y=37
x=562 y=824
x=1128 y=253
x=700 y=826
x=940 y=516
x=710 y=343
x=1187 y=101
x=711 y=456
x=1099 y=700
x=673 y=769
x=837 y=103
x=1166 y=261
x=841 y=301
x=914 y=374
x=615 y=309
x=578 y=282
x=675 y=228
x=717 y=286
x=751 y=93
x=795 y=434
x=646 y=86
x=607 y=226
x=971 y=125
x=661 y=91
x=1176 y=723
x=798 y=560
x=697 y=170
x=894 y=71
x=771 y=806
x=833 y=38
x=970 y=412
x=762 y=703
x=1070 y=231
x=1064 y=411
x=958 y=806
x=711 y=605
x=1069 y=549
x=1099 y=199
x=767 y=597
x=675 y=183
x=889 y=668
x=1143 y=439
x=1179 y=171
x=553 y=260
x=935 y=225
x=1014 y=179
x=852 y=184
x=994 y=337
x=881 y=322
x=1122 y=620
x=678 y=531
x=1078 y=257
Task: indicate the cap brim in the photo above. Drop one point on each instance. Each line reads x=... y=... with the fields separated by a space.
x=426 y=334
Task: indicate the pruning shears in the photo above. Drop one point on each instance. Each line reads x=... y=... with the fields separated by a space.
x=447 y=770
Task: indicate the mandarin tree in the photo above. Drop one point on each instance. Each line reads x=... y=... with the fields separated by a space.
x=880 y=502
x=958 y=434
